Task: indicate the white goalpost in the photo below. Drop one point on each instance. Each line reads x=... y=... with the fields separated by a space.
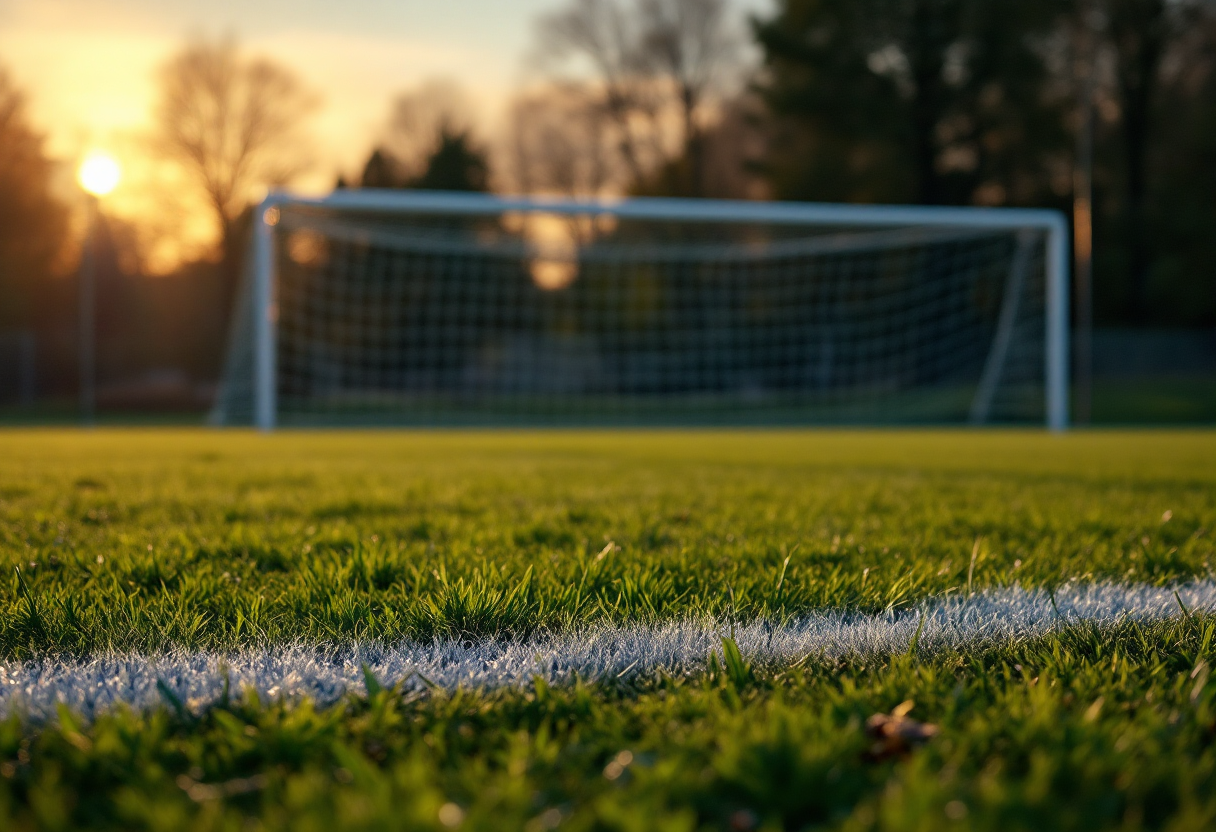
x=371 y=307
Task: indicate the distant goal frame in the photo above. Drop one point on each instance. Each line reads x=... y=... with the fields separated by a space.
x=1051 y=224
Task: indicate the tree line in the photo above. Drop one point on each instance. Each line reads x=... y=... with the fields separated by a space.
x=963 y=102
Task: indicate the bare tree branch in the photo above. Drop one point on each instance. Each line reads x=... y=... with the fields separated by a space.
x=690 y=42
x=652 y=60
x=561 y=142
x=233 y=123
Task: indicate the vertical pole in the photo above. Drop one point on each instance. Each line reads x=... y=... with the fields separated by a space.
x=265 y=315
x=1082 y=212
x=1057 y=326
x=28 y=367
x=87 y=291
x=990 y=378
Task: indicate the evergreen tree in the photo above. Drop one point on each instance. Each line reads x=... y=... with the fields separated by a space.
x=455 y=165
x=927 y=101
x=382 y=171
x=1153 y=143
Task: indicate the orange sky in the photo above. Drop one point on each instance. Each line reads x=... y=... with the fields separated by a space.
x=87 y=66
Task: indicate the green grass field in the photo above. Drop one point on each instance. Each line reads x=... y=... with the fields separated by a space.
x=156 y=540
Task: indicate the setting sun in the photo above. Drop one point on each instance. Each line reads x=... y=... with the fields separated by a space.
x=99 y=173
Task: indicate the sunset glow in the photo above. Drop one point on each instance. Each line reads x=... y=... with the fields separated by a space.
x=99 y=173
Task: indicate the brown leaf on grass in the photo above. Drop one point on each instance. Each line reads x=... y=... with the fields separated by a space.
x=895 y=735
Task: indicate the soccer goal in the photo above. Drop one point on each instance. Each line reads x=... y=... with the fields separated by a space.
x=372 y=307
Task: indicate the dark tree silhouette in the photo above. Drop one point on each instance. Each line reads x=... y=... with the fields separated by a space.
x=455 y=165
x=382 y=170
x=32 y=221
x=1140 y=32
x=930 y=101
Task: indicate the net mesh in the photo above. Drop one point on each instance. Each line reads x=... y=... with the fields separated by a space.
x=538 y=318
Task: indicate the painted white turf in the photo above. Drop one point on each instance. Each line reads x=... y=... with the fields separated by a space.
x=326 y=674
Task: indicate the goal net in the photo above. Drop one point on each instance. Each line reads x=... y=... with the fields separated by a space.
x=380 y=308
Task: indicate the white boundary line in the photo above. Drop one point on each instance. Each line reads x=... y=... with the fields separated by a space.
x=325 y=675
